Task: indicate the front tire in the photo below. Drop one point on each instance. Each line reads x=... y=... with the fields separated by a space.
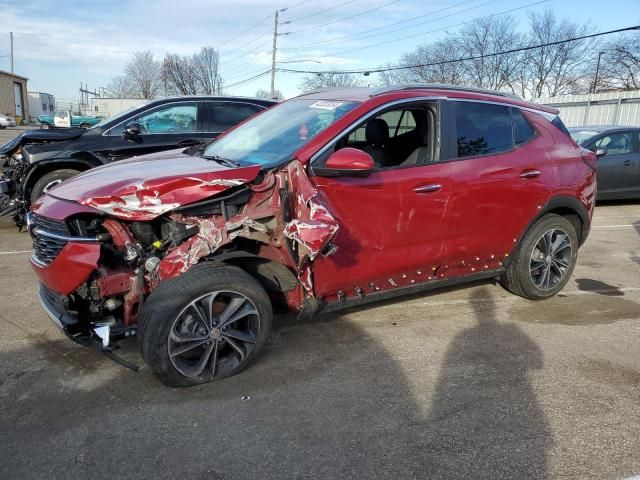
x=545 y=259
x=45 y=125
x=84 y=125
x=207 y=324
x=50 y=180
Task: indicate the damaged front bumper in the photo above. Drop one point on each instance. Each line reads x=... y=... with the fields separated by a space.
x=98 y=336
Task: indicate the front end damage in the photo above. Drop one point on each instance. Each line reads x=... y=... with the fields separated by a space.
x=97 y=265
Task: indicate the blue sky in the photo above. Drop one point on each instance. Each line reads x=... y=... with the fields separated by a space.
x=60 y=44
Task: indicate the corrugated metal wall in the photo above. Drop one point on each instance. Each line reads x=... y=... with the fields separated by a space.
x=7 y=96
x=610 y=108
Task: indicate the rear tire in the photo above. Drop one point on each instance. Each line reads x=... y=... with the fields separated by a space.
x=50 y=180
x=545 y=259
x=84 y=125
x=207 y=324
x=45 y=125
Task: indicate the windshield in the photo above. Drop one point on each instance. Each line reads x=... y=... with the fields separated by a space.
x=582 y=136
x=273 y=136
x=120 y=115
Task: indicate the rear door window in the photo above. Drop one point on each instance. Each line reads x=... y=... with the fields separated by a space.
x=482 y=129
x=224 y=115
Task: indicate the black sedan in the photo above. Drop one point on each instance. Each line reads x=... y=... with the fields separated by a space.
x=618 y=151
x=37 y=160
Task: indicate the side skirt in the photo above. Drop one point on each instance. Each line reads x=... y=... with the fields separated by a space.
x=396 y=292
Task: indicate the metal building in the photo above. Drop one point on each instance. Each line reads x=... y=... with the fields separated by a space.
x=13 y=96
x=609 y=108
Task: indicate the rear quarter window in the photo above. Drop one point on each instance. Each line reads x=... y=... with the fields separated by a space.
x=522 y=129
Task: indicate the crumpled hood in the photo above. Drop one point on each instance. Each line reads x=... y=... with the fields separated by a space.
x=41 y=135
x=145 y=187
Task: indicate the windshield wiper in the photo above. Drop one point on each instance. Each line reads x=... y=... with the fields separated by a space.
x=224 y=161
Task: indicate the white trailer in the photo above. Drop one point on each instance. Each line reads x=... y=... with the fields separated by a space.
x=40 y=104
x=108 y=107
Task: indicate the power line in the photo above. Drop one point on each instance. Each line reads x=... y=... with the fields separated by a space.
x=465 y=59
x=297 y=4
x=242 y=55
x=245 y=73
x=345 y=18
x=339 y=39
x=247 y=30
x=321 y=11
x=432 y=31
x=246 y=80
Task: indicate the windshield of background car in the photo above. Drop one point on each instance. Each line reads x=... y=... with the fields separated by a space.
x=582 y=136
x=273 y=136
x=120 y=115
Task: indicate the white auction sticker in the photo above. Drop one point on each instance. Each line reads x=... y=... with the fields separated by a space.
x=326 y=105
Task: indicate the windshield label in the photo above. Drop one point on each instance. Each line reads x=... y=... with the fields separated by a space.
x=326 y=105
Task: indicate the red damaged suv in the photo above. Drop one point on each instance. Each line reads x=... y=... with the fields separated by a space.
x=332 y=199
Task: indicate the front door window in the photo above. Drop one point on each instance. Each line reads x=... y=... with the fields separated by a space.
x=174 y=118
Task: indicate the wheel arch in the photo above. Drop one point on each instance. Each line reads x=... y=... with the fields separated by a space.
x=573 y=210
x=565 y=206
x=274 y=277
x=42 y=168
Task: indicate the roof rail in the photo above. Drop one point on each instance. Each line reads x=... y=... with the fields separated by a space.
x=330 y=89
x=441 y=86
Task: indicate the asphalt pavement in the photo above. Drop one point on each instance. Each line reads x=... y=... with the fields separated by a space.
x=470 y=382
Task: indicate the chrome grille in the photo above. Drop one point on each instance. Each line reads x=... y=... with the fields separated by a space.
x=49 y=224
x=45 y=247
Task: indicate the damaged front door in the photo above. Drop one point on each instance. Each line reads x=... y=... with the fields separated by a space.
x=393 y=223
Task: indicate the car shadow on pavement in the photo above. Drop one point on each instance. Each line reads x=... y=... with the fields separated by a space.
x=326 y=400
x=485 y=420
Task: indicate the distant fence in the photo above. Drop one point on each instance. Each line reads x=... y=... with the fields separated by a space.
x=610 y=108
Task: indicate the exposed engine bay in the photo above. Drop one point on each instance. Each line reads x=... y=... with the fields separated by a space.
x=274 y=227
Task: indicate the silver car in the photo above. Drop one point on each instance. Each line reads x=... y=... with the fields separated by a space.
x=6 y=121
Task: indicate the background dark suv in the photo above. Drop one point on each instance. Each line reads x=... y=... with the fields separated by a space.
x=38 y=160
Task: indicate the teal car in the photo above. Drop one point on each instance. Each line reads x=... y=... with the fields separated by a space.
x=67 y=119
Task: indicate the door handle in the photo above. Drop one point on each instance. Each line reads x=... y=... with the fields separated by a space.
x=627 y=163
x=432 y=187
x=530 y=174
x=188 y=143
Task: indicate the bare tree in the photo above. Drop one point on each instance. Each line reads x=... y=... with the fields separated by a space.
x=179 y=75
x=206 y=65
x=620 y=67
x=262 y=93
x=328 y=80
x=555 y=69
x=482 y=38
x=120 y=87
x=429 y=63
x=145 y=74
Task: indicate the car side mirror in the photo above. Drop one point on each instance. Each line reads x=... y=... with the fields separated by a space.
x=132 y=130
x=601 y=151
x=347 y=162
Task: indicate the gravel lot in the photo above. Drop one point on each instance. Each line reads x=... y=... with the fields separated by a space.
x=465 y=383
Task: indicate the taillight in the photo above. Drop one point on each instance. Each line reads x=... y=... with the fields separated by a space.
x=589 y=158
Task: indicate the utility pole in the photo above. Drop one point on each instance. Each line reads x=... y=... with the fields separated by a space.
x=595 y=80
x=273 y=56
x=11 y=37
